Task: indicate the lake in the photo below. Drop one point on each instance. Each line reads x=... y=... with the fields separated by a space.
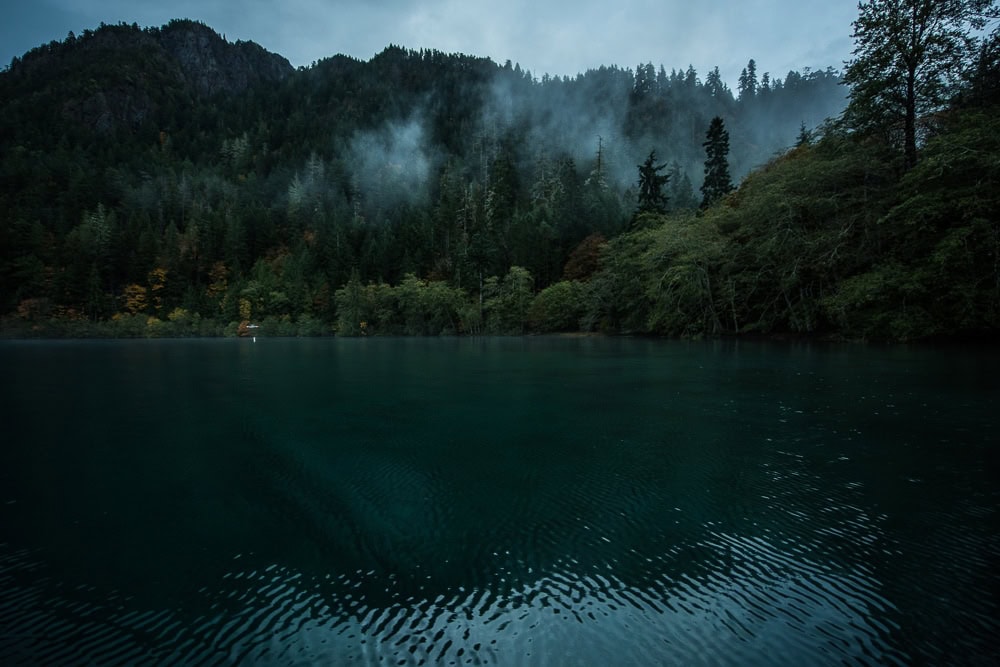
x=508 y=501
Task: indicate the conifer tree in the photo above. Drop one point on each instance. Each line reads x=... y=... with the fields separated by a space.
x=717 y=181
x=652 y=199
x=714 y=84
x=748 y=81
x=805 y=136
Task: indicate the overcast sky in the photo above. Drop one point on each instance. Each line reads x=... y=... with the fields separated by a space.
x=564 y=37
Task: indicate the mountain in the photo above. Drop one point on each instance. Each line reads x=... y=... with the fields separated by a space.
x=120 y=76
x=132 y=153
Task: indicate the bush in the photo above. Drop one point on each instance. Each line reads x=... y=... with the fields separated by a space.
x=558 y=307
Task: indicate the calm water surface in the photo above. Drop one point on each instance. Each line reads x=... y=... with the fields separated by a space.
x=497 y=501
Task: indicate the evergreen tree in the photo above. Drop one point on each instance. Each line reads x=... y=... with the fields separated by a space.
x=717 y=181
x=645 y=82
x=682 y=196
x=748 y=81
x=691 y=77
x=907 y=55
x=652 y=199
x=715 y=85
x=805 y=136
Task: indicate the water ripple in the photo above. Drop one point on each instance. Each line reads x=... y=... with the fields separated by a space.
x=339 y=538
x=757 y=603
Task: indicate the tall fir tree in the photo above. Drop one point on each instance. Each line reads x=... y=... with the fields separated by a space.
x=717 y=181
x=748 y=81
x=715 y=85
x=652 y=199
x=805 y=136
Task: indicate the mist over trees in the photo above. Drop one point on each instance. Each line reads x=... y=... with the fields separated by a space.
x=166 y=182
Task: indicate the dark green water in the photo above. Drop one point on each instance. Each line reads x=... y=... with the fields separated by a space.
x=498 y=501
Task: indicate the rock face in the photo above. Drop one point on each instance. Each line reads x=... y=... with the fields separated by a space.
x=212 y=65
x=120 y=77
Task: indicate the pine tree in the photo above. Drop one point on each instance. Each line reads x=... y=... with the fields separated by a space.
x=714 y=84
x=652 y=199
x=682 y=196
x=717 y=181
x=805 y=136
x=748 y=81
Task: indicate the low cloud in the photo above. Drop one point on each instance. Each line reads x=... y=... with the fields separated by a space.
x=393 y=165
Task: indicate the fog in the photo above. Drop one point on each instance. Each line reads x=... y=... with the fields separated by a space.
x=396 y=163
x=610 y=117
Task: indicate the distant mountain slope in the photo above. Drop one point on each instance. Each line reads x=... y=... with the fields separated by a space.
x=129 y=153
x=120 y=76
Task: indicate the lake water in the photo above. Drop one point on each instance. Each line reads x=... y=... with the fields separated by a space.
x=537 y=501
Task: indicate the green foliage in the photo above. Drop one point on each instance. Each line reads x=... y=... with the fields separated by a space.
x=353 y=308
x=941 y=274
x=558 y=307
x=886 y=302
x=429 y=308
x=908 y=56
x=506 y=302
x=681 y=265
x=618 y=302
x=793 y=230
x=824 y=240
x=415 y=307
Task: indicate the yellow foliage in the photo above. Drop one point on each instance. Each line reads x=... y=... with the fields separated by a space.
x=245 y=309
x=218 y=280
x=135 y=298
x=177 y=314
x=157 y=279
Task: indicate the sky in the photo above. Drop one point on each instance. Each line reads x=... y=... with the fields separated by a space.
x=558 y=37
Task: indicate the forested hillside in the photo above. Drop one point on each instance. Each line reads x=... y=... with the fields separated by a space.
x=168 y=182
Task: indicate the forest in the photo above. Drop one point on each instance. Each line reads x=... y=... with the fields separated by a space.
x=167 y=182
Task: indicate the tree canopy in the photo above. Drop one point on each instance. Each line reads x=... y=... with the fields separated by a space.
x=909 y=56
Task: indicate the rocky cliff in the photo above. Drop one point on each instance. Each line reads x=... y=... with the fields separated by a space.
x=212 y=65
x=119 y=77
